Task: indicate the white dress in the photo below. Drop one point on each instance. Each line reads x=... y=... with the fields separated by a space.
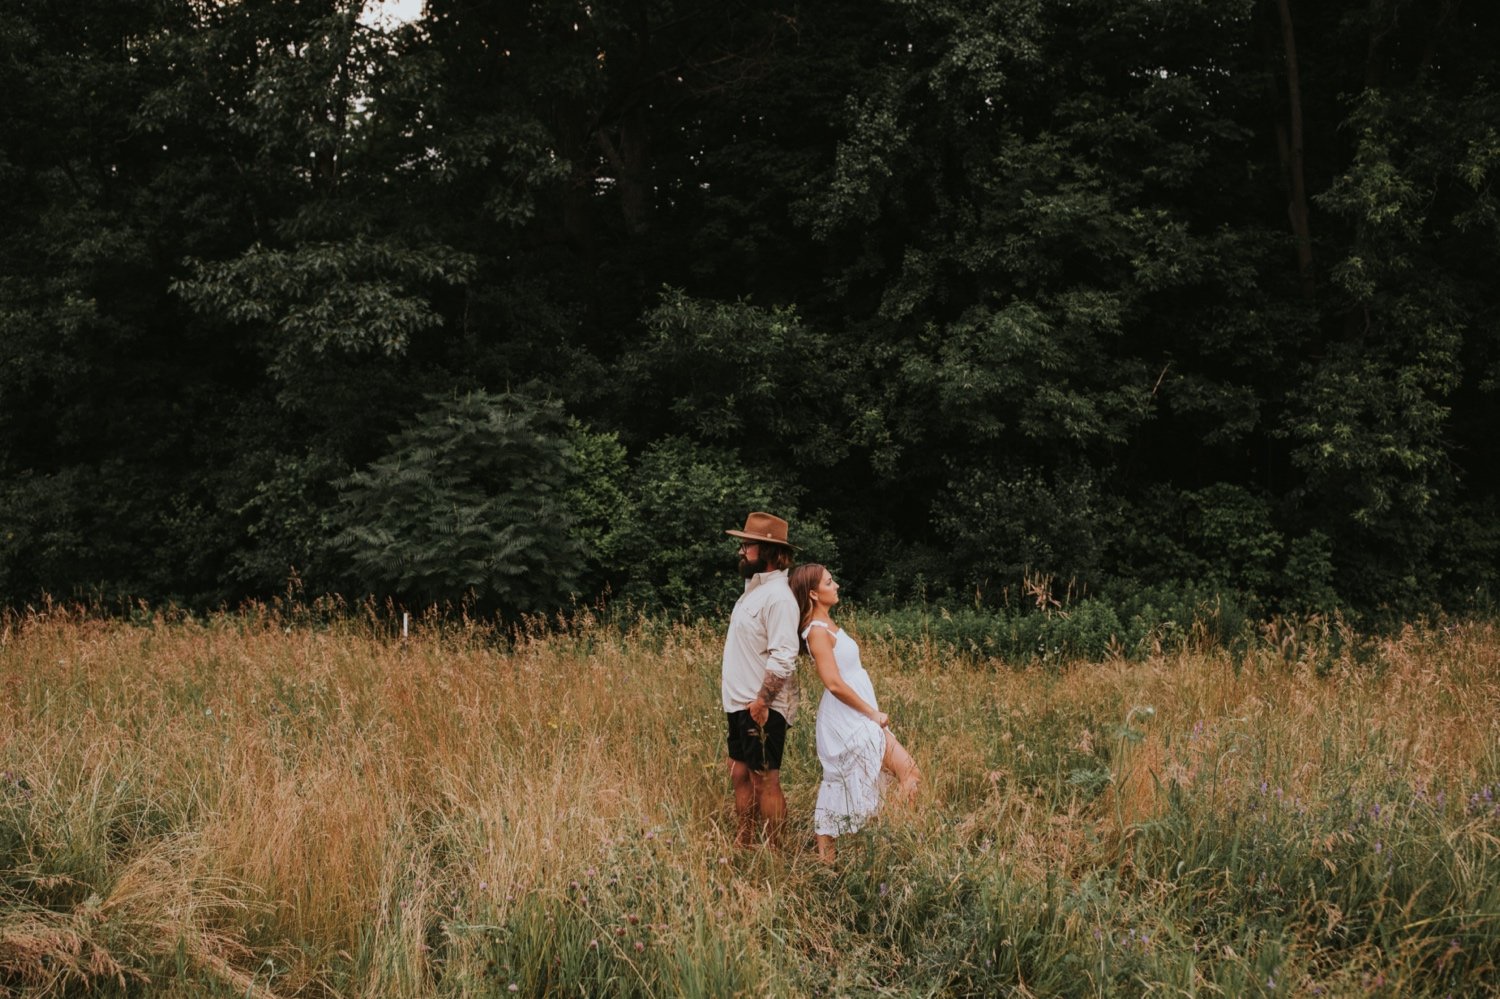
x=850 y=747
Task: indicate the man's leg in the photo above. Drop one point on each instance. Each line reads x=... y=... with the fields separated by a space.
x=771 y=802
x=744 y=803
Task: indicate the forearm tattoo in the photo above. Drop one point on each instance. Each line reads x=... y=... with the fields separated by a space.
x=771 y=687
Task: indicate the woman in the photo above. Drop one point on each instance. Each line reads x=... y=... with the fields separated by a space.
x=854 y=743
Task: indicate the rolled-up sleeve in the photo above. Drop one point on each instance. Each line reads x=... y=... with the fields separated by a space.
x=781 y=638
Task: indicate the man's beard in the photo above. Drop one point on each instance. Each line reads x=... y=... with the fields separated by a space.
x=749 y=568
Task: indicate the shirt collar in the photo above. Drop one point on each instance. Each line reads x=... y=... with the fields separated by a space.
x=761 y=578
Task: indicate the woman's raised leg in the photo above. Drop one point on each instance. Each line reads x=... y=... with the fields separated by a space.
x=899 y=762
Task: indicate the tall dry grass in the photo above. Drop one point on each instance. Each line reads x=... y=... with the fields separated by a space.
x=247 y=805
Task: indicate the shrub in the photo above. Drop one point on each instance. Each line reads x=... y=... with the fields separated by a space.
x=470 y=502
x=684 y=496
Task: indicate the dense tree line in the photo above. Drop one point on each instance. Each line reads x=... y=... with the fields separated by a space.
x=532 y=299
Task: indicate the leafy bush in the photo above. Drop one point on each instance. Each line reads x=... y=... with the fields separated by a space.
x=603 y=516
x=997 y=522
x=685 y=495
x=470 y=501
x=287 y=521
x=1133 y=622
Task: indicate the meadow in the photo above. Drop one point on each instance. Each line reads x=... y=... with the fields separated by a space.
x=269 y=803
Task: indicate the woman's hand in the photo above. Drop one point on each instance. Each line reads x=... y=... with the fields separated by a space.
x=881 y=718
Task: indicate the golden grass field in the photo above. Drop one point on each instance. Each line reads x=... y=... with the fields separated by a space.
x=262 y=804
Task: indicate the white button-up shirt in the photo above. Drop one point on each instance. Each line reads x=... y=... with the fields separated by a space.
x=762 y=639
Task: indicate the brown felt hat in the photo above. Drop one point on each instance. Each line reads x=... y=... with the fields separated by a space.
x=764 y=527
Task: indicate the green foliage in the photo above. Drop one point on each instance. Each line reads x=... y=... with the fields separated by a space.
x=600 y=508
x=1224 y=538
x=1307 y=578
x=685 y=497
x=986 y=287
x=289 y=523
x=326 y=298
x=1000 y=524
x=1371 y=418
x=42 y=542
x=1131 y=622
x=470 y=502
x=758 y=380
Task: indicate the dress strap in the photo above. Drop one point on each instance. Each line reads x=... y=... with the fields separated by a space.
x=811 y=625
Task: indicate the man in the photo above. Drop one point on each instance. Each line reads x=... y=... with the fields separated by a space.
x=760 y=656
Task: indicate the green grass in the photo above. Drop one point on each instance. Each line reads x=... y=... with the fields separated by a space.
x=252 y=805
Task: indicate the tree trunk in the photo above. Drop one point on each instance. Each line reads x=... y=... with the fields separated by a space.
x=1290 y=139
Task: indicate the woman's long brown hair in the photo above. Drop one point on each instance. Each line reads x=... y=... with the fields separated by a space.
x=804 y=579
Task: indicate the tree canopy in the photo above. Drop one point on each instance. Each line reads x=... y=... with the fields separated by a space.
x=528 y=301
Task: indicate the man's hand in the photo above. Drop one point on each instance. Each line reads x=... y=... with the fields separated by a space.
x=770 y=687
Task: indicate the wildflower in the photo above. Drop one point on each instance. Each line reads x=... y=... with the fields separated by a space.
x=513 y=987
x=619 y=931
x=632 y=919
x=884 y=889
x=594 y=944
x=723 y=860
x=484 y=886
x=639 y=946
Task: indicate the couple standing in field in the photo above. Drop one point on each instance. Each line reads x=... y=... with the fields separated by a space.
x=758 y=684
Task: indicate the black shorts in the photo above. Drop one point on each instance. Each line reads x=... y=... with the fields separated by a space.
x=758 y=747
